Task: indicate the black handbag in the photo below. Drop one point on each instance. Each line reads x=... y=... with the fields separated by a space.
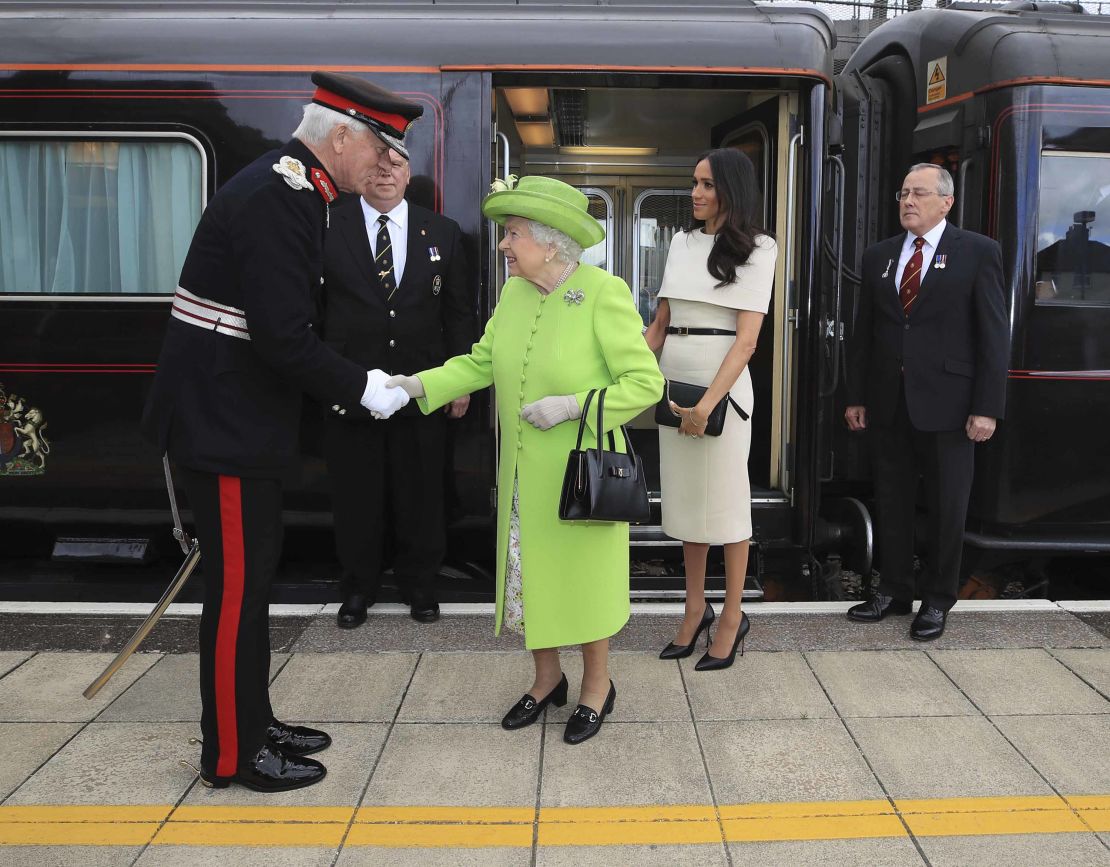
x=684 y=394
x=601 y=485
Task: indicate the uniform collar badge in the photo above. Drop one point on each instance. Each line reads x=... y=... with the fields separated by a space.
x=292 y=170
x=324 y=185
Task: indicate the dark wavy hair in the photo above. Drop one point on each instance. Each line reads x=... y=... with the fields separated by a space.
x=734 y=180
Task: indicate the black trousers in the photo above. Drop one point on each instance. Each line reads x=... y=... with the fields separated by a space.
x=381 y=470
x=238 y=523
x=945 y=461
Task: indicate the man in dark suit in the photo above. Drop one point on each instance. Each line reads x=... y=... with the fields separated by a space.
x=225 y=405
x=927 y=377
x=396 y=296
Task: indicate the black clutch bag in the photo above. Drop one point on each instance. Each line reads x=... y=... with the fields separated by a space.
x=684 y=394
x=601 y=485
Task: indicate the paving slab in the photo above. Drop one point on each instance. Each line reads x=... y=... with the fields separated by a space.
x=944 y=757
x=10 y=659
x=649 y=689
x=26 y=746
x=240 y=856
x=1019 y=850
x=891 y=683
x=1072 y=752
x=881 y=852
x=372 y=856
x=350 y=759
x=466 y=687
x=48 y=687
x=624 y=764
x=785 y=760
x=345 y=687
x=1019 y=682
x=68 y=856
x=1092 y=665
x=457 y=764
x=115 y=763
x=1098 y=620
x=757 y=686
x=169 y=691
x=632 y=856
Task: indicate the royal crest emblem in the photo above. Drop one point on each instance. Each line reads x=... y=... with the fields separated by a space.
x=293 y=172
x=23 y=442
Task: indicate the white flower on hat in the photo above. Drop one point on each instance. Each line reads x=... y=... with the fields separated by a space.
x=501 y=186
x=292 y=171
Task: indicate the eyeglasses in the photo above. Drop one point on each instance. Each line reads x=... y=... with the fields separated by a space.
x=916 y=193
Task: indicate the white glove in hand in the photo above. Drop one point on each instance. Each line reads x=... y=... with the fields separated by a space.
x=380 y=400
x=411 y=385
x=550 y=411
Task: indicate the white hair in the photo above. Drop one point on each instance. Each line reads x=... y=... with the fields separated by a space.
x=945 y=184
x=566 y=248
x=319 y=121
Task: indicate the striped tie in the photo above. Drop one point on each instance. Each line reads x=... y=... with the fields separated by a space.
x=911 y=277
x=383 y=261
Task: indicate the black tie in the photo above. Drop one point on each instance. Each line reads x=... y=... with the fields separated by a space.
x=383 y=261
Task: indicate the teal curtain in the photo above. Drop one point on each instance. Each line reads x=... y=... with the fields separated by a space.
x=96 y=217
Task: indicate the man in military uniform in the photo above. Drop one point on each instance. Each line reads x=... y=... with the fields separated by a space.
x=239 y=352
x=396 y=296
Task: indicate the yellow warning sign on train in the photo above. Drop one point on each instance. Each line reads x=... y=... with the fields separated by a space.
x=936 y=80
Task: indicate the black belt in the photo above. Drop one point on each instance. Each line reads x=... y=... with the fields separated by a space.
x=681 y=329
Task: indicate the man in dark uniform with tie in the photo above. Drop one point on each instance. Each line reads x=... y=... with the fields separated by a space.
x=239 y=352
x=927 y=370
x=397 y=296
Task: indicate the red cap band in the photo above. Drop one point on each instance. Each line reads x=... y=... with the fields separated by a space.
x=339 y=103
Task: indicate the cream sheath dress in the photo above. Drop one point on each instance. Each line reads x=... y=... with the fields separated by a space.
x=706 y=496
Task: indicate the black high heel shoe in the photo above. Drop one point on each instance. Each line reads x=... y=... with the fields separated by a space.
x=715 y=663
x=681 y=651
x=585 y=722
x=528 y=709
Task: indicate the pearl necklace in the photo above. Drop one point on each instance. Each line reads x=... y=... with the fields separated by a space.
x=563 y=277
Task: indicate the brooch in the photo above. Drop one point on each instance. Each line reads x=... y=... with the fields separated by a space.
x=293 y=172
x=573 y=296
x=501 y=186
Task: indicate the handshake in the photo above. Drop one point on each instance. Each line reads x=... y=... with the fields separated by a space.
x=386 y=394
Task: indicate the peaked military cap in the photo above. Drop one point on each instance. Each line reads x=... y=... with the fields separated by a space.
x=387 y=114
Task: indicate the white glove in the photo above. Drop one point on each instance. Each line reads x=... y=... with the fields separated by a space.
x=411 y=385
x=550 y=411
x=380 y=400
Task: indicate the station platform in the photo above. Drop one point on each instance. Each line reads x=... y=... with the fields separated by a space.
x=828 y=742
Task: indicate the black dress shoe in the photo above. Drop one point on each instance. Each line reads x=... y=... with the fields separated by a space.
x=352 y=612
x=681 y=651
x=296 y=740
x=586 y=722
x=878 y=607
x=271 y=770
x=929 y=624
x=424 y=611
x=715 y=663
x=528 y=709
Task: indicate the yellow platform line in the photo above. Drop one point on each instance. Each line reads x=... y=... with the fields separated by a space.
x=514 y=827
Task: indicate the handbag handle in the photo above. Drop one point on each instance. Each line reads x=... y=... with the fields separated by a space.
x=600 y=427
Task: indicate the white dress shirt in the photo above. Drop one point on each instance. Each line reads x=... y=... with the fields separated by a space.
x=398 y=228
x=932 y=238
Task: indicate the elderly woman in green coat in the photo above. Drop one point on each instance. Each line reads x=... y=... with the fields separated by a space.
x=560 y=329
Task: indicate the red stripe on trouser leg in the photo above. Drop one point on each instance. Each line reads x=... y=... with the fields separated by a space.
x=227 y=632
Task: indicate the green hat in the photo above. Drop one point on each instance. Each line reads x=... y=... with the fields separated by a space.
x=546 y=201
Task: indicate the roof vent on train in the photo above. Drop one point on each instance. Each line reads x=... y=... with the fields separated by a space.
x=1057 y=8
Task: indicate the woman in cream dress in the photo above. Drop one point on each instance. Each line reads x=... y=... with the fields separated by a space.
x=716 y=291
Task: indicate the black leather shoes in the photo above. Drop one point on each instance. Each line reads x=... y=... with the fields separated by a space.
x=878 y=607
x=528 y=709
x=424 y=610
x=352 y=612
x=586 y=722
x=271 y=770
x=929 y=624
x=296 y=740
x=681 y=651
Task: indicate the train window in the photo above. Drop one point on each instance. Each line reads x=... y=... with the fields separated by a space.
x=97 y=216
x=658 y=215
x=601 y=209
x=1073 y=229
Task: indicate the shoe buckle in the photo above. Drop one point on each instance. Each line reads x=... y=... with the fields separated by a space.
x=529 y=704
x=593 y=717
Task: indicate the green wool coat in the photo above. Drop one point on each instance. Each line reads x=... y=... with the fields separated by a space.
x=574 y=574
